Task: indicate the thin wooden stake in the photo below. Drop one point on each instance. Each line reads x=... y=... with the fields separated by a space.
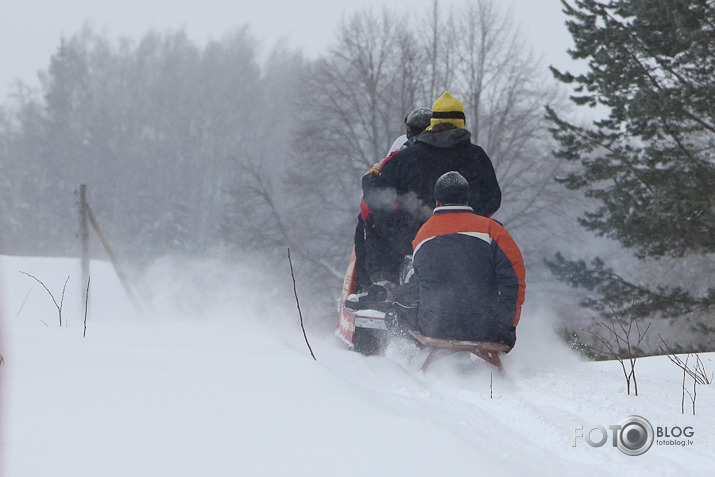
x=86 y=302
x=297 y=302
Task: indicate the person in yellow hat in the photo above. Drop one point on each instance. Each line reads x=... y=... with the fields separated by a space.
x=448 y=109
x=404 y=184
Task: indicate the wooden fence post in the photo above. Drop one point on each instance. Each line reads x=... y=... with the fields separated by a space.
x=88 y=219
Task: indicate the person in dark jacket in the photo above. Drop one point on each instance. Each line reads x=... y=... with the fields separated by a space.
x=468 y=277
x=402 y=189
x=372 y=245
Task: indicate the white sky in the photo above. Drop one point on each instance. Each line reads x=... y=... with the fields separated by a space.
x=30 y=29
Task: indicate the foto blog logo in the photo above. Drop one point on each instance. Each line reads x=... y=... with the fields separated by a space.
x=633 y=435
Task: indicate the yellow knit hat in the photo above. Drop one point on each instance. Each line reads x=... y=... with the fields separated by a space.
x=449 y=109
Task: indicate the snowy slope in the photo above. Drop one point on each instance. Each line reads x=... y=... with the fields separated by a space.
x=215 y=380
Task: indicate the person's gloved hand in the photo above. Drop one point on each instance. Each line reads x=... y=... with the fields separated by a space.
x=391 y=321
x=375 y=169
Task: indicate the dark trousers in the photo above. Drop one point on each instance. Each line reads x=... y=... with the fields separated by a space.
x=363 y=277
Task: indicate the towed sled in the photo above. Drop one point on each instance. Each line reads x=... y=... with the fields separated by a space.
x=364 y=331
x=440 y=348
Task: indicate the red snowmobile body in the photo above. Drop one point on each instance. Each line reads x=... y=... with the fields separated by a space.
x=362 y=330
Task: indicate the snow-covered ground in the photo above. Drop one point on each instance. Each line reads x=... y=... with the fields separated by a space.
x=214 y=378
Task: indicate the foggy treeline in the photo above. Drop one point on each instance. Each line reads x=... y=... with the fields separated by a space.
x=156 y=129
x=189 y=148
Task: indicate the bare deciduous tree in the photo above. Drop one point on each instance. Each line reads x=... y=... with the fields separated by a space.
x=354 y=98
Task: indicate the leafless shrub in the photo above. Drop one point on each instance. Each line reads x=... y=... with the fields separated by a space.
x=62 y=297
x=697 y=373
x=627 y=345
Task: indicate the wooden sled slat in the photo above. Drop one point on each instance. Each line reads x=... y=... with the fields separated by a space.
x=459 y=344
x=441 y=348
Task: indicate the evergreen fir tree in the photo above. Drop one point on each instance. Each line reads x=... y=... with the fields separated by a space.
x=649 y=166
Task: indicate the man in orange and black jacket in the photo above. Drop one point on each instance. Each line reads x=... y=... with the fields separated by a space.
x=468 y=276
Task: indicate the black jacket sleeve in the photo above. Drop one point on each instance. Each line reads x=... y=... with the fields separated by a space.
x=379 y=187
x=489 y=190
